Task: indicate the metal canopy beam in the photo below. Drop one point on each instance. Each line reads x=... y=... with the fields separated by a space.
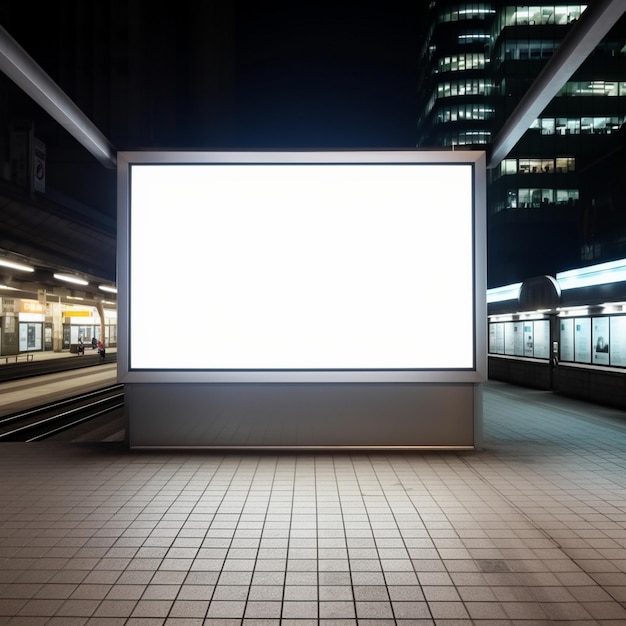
x=28 y=75
x=594 y=23
x=584 y=36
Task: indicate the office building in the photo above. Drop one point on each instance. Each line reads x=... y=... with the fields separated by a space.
x=556 y=201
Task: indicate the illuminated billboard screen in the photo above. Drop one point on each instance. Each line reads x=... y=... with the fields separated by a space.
x=297 y=266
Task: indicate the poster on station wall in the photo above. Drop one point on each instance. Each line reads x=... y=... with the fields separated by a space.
x=542 y=339
x=499 y=339
x=492 y=338
x=582 y=339
x=600 y=340
x=567 y=339
x=518 y=348
x=617 y=345
x=529 y=340
x=509 y=338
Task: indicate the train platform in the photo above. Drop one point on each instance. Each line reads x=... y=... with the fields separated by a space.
x=26 y=393
x=531 y=529
x=47 y=355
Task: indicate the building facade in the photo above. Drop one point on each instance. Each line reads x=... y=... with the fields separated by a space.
x=557 y=200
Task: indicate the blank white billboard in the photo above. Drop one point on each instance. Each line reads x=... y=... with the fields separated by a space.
x=289 y=263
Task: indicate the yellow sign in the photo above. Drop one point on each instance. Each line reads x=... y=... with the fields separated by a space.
x=31 y=306
x=77 y=313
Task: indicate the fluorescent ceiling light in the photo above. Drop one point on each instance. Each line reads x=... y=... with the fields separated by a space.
x=601 y=274
x=7 y=288
x=69 y=278
x=506 y=292
x=574 y=310
x=108 y=288
x=16 y=266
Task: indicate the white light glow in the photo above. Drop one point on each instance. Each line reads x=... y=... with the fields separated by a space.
x=475 y=11
x=601 y=274
x=573 y=310
x=532 y=315
x=16 y=266
x=108 y=288
x=69 y=278
x=611 y=308
x=504 y=293
x=303 y=266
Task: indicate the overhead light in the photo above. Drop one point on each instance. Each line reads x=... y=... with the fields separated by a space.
x=16 y=266
x=573 y=310
x=108 y=288
x=8 y=288
x=506 y=292
x=600 y=274
x=500 y=318
x=611 y=308
x=69 y=278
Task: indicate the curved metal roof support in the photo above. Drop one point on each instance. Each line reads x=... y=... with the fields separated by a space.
x=594 y=23
x=28 y=75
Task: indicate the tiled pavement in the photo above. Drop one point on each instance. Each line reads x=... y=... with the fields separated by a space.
x=529 y=530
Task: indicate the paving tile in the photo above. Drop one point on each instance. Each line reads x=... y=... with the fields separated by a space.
x=529 y=530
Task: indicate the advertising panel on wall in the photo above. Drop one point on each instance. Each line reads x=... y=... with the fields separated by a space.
x=497 y=339
x=518 y=338
x=567 y=339
x=529 y=339
x=591 y=340
x=493 y=328
x=508 y=331
x=600 y=340
x=542 y=339
x=309 y=267
x=304 y=265
x=582 y=339
x=617 y=346
x=509 y=336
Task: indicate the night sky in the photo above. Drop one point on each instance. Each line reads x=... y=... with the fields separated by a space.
x=310 y=76
x=335 y=75
x=326 y=74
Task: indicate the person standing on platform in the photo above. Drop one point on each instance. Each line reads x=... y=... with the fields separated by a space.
x=101 y=350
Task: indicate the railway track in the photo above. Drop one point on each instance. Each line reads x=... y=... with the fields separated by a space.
x=56 y=418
